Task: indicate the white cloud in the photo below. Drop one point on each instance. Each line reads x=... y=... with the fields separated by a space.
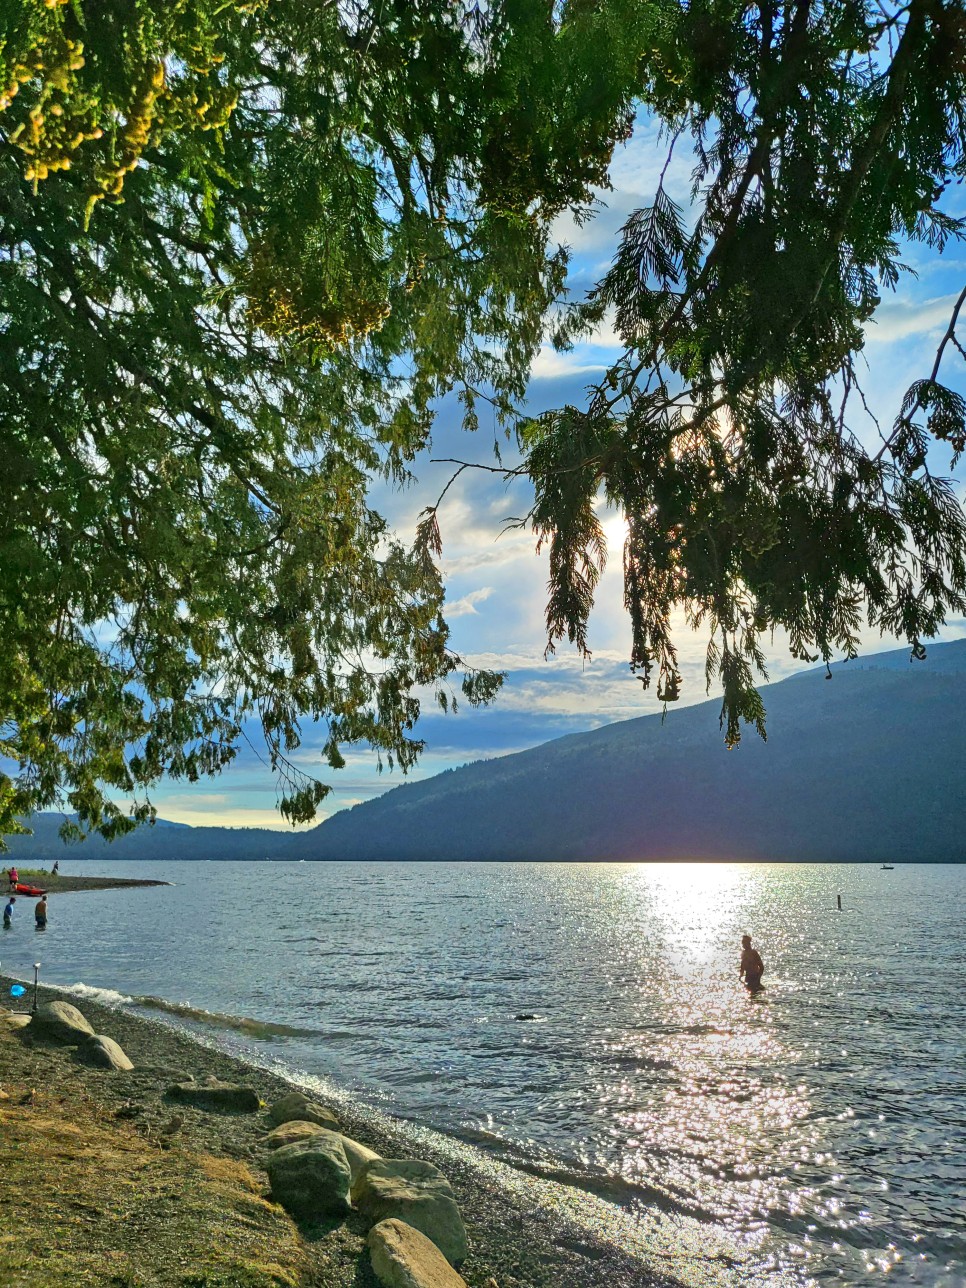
x=900 y=319
x=231 y=814
x=550 y=364
x=467 y=605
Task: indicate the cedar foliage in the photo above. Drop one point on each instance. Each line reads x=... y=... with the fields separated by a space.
x=827 y=135
x=244 y=249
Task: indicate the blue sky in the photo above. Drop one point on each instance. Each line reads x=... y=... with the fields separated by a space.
x=495 y=582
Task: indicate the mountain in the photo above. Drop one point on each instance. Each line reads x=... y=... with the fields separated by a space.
x=163 y=840
x=864 y=766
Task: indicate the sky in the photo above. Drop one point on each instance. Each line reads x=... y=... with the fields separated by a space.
x=496 y=583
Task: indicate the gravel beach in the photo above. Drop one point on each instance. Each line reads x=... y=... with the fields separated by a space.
x=525 y=1232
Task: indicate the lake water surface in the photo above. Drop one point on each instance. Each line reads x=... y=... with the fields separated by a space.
x=823 y=1123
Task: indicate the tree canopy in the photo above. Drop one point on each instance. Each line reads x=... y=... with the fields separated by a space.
x=733 y=431
x=246 y=247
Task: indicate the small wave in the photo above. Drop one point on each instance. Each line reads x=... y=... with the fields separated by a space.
x=607 y=1185
x=240 y=1023
x=213 y=1019
x=105 y=996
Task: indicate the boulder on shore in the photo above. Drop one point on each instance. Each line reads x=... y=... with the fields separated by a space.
x=104 y=1053
x=418 y=1194
x=226 y=1097
x=358 y=1156
x=310 y=1178
x=290 y=1132
x=404 y=1258
x=61 y=1022
x=296 y=1105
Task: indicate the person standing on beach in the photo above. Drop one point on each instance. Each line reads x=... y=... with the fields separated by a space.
x=14 y=877
x=40 y=913
x=752 y=967
x=8 y=912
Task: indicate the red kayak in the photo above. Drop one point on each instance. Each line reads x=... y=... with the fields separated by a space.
x=20 y=888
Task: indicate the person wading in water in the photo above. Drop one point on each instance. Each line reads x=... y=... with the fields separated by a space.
x=752 y=967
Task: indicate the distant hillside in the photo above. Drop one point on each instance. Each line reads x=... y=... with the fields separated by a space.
x=866 y=766
x=164 y=840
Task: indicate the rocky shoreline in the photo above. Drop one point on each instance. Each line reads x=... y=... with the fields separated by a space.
x=521 y=1232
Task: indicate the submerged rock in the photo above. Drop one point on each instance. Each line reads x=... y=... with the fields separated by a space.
x=225 y=1096
x=61 y=1022
x=104 y=1053
x=404 y=1258
x=310 y=1177
x=418 y=1194
x=298 y=1106
x=13 y=1021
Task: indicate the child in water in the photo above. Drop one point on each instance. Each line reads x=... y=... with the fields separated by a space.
x=752 y=967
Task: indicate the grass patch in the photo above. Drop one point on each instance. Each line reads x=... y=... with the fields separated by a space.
x=89 y=1201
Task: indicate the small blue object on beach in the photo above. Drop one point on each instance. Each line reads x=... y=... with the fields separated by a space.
x=17 y=990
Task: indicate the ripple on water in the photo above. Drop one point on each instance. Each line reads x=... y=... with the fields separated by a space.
x=818 y=1123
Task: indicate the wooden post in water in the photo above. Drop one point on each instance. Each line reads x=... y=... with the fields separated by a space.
x=839 y=902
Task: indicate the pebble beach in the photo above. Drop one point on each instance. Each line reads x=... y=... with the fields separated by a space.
x=523 y=1232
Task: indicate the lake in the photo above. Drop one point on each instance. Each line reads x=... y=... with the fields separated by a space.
x=821 y=1123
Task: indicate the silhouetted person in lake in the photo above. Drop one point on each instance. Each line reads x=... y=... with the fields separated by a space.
x=40 y=913
x=752 y=967
x=8 y=912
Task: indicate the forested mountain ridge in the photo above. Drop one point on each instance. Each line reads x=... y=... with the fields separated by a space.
x=865 y=766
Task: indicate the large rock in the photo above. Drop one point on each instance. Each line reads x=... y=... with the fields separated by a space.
x=310 y=1178
x=223 y=1096
x=417 y=1193
x=13 y=1021
x=297 y=1105
x=404 y=1258
x=358 y=1156
x=290 y=1132
x=62 y=1022
x=104 y=1053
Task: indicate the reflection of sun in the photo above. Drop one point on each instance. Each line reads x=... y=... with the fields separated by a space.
x=693 y=905
x=710 y=1100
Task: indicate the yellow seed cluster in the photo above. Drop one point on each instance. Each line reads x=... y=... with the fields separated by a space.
x=135 y=134
x=51 y=131
x=285 y=305
x=66 y=110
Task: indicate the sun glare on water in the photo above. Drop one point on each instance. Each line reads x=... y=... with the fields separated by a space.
x=705 y=1102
